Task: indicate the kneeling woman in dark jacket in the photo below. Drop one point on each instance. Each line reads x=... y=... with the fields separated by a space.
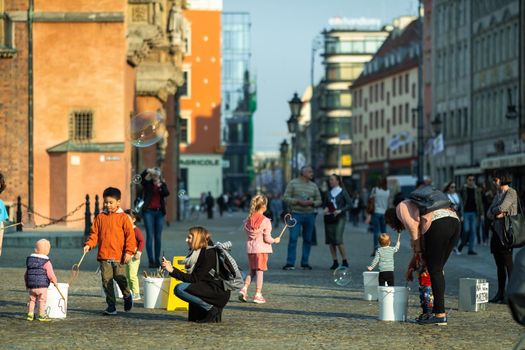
x=199 y=288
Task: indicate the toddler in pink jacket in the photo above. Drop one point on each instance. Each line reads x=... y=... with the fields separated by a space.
x=258 y=228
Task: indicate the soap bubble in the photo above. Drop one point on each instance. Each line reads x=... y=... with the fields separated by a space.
x=342 y=276
x=147 y=128
x=182 y=193
x=136 y=179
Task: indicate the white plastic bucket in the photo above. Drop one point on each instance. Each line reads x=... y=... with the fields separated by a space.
x=370 y=282
x=116 y=288
x=393 y=303
x=156 y=292
x=56 y=307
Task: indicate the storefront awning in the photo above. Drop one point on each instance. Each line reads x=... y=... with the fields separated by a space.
x=508 y=161
x=468 y=171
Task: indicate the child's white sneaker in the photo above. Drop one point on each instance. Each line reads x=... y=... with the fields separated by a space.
x=242 y=294
x=136 y=297
x=259 y=299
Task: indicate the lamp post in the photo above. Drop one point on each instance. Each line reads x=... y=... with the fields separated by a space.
x=295 y=109
x=283 y=149
x=419 y=108
x=317 y=44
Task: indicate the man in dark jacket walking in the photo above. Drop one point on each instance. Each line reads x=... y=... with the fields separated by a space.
x=210 y=202
x=472 y=213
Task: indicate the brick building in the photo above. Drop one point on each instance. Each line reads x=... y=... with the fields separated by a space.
x=69 y=83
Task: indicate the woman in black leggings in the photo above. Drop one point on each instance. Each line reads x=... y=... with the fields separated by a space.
x=433 y=237
x=505 y=203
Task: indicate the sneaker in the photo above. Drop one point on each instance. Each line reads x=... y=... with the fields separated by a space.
x=423 y=317
x=242 y=295
x=345 y=263
x=128 y=303
x=110 y=310
x=136 y=297
x=43 y=318
x=306 y=267
x=472 y=253
x=288 y=267
x=335 y=265
x=440 y=321
x=456 y=251
x=259 y=299
x=30 y=316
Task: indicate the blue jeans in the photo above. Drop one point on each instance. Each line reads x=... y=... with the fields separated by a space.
x=470 y=225
x=306 y=222
x=180 y=292
x=379 y=226
x=153 y=220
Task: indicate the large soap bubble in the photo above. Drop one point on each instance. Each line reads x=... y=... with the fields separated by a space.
x=147 y=128
x=342 y=276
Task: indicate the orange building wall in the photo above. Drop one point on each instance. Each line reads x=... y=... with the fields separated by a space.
x=80 y=66
x=80 y=5
x=205 y=98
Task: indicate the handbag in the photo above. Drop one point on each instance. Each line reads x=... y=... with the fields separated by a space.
x=371 y=204
x=514 y=230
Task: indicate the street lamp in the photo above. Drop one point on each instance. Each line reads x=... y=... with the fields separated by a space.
x=295 y=108
x=436 y=125
x=512 y=110
x=295 y=105
x=283 y=149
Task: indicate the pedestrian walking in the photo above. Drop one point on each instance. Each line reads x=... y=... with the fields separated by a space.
x=154 y=192
x=3 y=212
x=199 y=287
x=210 y=203
x=472 y=213
x=380 y=196
x=432 y=235
x=356 y=205
x=132 y=268
x=112 y=231
x=276 y=207
x=221 y=204
x=337 y=203
x=302 y=197
x=505 y=203
x=457 y=205
x=39 y=274
x=258 y=229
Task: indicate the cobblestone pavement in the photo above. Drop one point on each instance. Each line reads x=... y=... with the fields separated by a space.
x=305 y=309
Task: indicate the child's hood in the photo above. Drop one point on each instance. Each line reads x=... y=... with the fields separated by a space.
x=42 y=256
x=252 y=225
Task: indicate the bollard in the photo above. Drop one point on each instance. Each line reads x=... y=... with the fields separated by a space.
x=87 y=217
x=19 y=213
x=97 y=207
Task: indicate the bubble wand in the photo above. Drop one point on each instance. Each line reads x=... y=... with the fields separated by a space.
x=75 y=269
x=288 y=222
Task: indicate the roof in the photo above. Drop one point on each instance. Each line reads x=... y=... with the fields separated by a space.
x=399 y=52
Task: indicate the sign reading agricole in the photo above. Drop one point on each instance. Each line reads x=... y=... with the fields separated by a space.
x=200 y=162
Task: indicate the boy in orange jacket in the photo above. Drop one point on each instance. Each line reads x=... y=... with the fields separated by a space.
x=113 y=232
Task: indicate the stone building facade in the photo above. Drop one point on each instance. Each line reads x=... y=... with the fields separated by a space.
x=70 y=82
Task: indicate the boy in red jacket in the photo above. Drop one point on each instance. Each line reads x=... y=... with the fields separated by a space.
x=426 y=297
x=113 y=232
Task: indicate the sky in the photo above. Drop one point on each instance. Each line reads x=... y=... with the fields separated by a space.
x=282 y=32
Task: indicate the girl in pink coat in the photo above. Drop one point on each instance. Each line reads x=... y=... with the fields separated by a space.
x=258 y=228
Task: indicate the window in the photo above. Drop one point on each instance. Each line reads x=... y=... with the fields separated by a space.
x=81 y=126
x=185 y=89
x=393 y=115
x=400 y=79
x=413 y=90
x=388 y=126
x=406 y=113
x=343 y=71
x=377 y=120
x=382 y=91
x=376 y=92
x=370 y=120
x=400 y=114
x=394 y=86
x=382 y=118
x=388 y=98
x=187 y=38
x=406 y=84
x=334 y=99
x=6 y=30
x=371 y=147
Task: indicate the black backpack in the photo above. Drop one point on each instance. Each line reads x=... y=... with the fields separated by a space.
x=516 y=288
x=429 y=198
